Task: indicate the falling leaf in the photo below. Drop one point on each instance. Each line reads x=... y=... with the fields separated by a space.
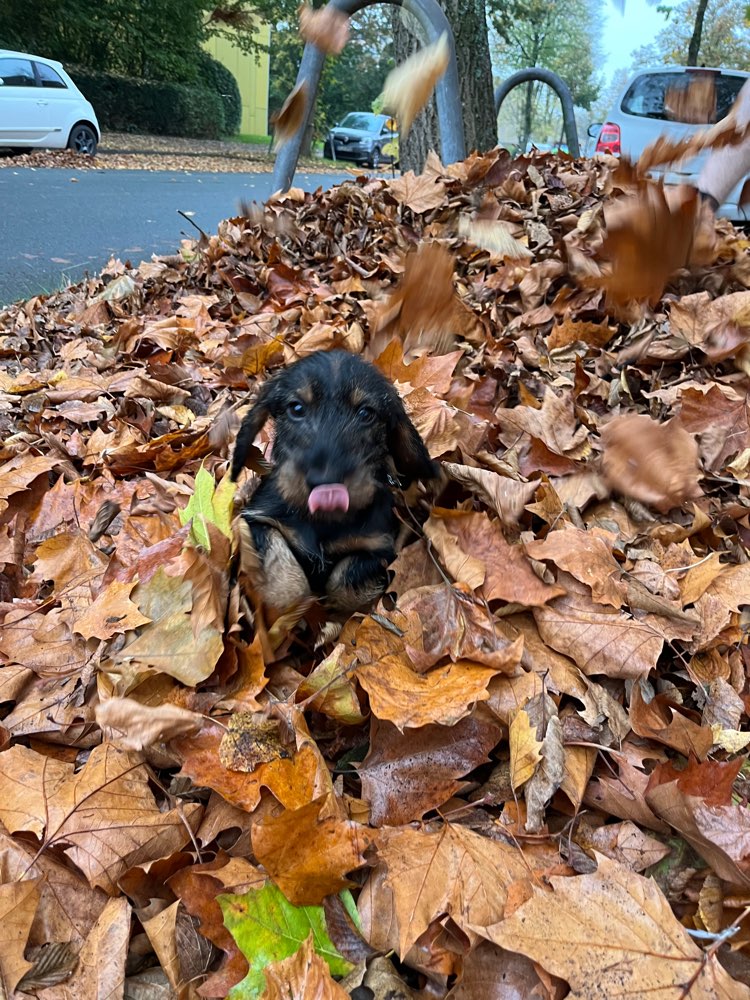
x=408 y=87
x=654 y=463
x=600 y=949
x=289 y=119
x=326 y=27
x=694 y=102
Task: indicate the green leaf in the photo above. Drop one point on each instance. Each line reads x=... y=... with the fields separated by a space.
x=208 y=503
x=267 y=928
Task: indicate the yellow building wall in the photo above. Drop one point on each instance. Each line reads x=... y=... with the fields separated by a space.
x=251 y=77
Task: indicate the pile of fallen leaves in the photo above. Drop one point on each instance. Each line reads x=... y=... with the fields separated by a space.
x=525 y=773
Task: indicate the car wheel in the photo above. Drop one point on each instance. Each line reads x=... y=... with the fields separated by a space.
x=82 y=139
x=376 y=159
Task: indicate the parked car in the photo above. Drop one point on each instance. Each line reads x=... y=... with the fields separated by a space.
x=40 y=106
x=362 y=137
x=647 y=108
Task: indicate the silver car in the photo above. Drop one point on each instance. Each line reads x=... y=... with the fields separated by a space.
x=646 y=109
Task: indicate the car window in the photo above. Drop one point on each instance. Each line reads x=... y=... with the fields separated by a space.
x=356 y=119
x=50 y=78
x=646 y=96
x=17 y=73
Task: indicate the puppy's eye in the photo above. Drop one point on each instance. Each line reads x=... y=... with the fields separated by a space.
x=296 y=410
x=366 y=414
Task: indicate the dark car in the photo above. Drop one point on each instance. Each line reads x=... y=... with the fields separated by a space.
x=361 y=137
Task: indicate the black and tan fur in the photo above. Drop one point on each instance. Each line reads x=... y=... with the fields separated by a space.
x=337 y=419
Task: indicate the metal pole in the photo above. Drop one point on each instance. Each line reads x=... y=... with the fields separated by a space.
x=435 y=23
x=561 y=89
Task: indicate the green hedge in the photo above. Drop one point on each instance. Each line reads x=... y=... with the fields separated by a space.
x=123 y=104
x=214 y=76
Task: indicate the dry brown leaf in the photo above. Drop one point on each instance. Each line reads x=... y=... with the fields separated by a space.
x=585 y=556
x=326 y=27
x=507 y=497
x=101 y=963
x=630 y=944
x=453 y=871
x=309 y=851
x=406 y=774
x=400 y=695
x=303 y=976
x=495 y=236
x=133 y=726
x=408 y=87
x=18 y=904
x=599 y=639
x=104 y=818
x=289 y=118
x=694 y=102
x=654 y=463
x=525 y=749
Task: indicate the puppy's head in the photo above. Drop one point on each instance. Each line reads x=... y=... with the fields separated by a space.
x=340 y=428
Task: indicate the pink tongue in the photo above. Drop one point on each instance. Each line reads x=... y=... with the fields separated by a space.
x=330 y=496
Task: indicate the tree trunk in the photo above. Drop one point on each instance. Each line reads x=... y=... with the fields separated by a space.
x=695 y=41
x=468 y=19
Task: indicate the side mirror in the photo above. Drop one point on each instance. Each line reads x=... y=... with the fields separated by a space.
x=594 y=129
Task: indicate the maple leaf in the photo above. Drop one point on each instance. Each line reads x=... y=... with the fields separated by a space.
x=308 y=851
x=406 y=774
x=407 y=88
x=453 y=871
x=304 y=974
x=104 y=818
x=630 y=944
x=268 y=928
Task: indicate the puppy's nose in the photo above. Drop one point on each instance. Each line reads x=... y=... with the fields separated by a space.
x=318 y=475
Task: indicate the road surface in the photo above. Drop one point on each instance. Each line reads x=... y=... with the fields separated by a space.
x=58 y=224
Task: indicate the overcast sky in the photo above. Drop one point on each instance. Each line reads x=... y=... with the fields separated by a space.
x=627 y=29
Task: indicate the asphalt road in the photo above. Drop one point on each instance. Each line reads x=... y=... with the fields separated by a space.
x=57 y=224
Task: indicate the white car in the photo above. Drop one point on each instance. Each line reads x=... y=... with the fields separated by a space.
x=640 y=116
x=41 y=106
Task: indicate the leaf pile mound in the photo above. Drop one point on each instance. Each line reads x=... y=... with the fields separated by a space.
x=525 y=772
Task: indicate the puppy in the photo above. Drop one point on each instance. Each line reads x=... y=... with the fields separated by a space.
x=322 y=521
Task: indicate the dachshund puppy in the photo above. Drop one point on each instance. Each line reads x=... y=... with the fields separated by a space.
x=322 y=521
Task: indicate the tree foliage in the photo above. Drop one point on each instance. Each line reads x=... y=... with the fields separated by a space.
x=559 y=35
x=724 y=40
x=147 y=39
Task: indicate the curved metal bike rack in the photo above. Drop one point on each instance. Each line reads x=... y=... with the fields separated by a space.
x=561 y=89
x=435 y=23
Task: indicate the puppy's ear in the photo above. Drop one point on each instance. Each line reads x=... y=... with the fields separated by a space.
x=408 y=451
x=251 y=426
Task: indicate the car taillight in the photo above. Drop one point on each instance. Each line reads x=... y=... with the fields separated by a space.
x=609 y=139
